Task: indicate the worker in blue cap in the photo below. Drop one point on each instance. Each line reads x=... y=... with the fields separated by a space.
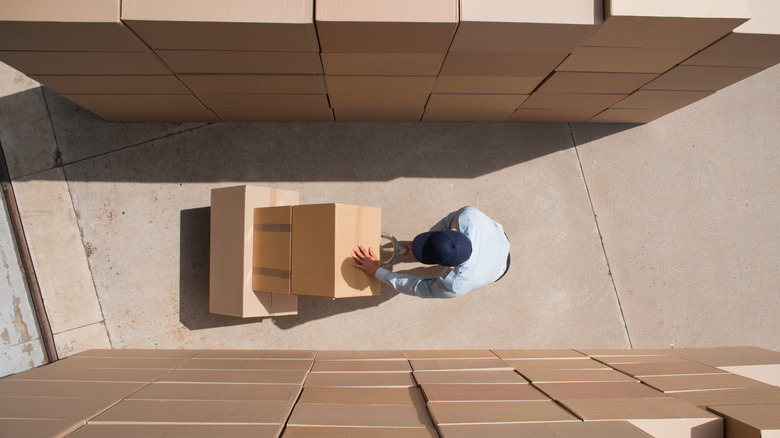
x=469 y=243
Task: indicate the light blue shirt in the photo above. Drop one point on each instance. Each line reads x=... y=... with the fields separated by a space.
x=489 y=251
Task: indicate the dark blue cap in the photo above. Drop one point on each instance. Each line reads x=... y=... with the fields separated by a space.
x=446 y=248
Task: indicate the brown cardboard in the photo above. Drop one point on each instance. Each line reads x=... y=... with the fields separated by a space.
x=217 y=391
x=123 y=115
x=382 y=85
x=538 y=354
x=378 y=114
x=382 y=64
x=386 y=26
x=594 y=82
x=360 y=355
x=543 y=115
x=246 y=364
x=362 y=396
x=118 y=362
x=196 y=411
x=256 y=354
x=253 y=83
x=80 y=25
x=628 y=115
x=113 y=84
x=65 y=374
x=265 y=101
x=481 y=392
x=492 y=363
x=500 y=64
x=542 y=375
x=232 y=223
x=566 y=391
x=769 y=374
x=378 y=101
x=557 y=364
x=571 y=101
x=658 y=416
x=349 y=415
x=51 y=389
x=448 y=354
x=358 y=432
x=71 y=408
x=611 y=360
x=235 y=62
x=489 y=102
x=365 y=379
x=136 y=101
x=596 y=352
x=525 y=26
x=323 y=238
x=692 y=77
x=38 y=427
x=129 y=430
x=227 y=25
x=666 y=369
x=271 y=249
x=466 y=115
x=624 y=59
x=471 y=376
x=698 y=382
x=85 y=63
x=750 y=421
x=595 y=429
x=275 y=115
x=487 y=84
x=740 y=50
x=353 y=366
x=766 y=394
x=730 y=356
x=292 y=377
x=497 y=412
x=138 y=352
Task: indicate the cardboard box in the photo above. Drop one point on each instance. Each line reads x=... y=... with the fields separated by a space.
x=769 y=374
x=486 y=412
x=492 y=363
x=359 y=26
x=139 y=353
x=658 y=416
x=487 y=84
x=364 y=379
x=635 y=352
x=489 y=64
x=595 y=82
x=113 y=84
x=121 y=115
x=65 y=374
x=445 y=392
x=217 y=391
x=130 y=430
x=525 y=26
x=323 y=238
x=288 y=377
x=85 y=63
x=557 y=364
x=274 y=115
x=592 y=102
x=354 y=366
x=596 y=429
x=230 y=272
x=543 y=375
x=196 y=411
x=238 y=62
x=228 y=25
x=544 y=115
x=77 y=409
x=382 y=64
x=666 y=369
x=740 y=50
x=629 y=115
x=697 y=382
x=272 y=250
x=253 y=83
x=358 y=432
x=56 y=389
x=360 y=355
x=612 y=360
x=257 y=354
x=38 y=427
x=470 y=376
x=378 y=101
x=379 y=92
x=539 y=354
x=465 y=115
x=160 y=363
x=624 y=59
x=692 y=77
x=79 y=25
x=246 y=364
x=564 y=391
x=766 y=394
x=265 y=101
x=750 y=421
x=351 y=415
x=730 y=356
x=448 y=354
x=111 y=102
x=472 y=102
x=378 y=114
x=362 y=396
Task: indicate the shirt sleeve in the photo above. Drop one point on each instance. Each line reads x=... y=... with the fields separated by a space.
x=416 y=286
x=449 y=222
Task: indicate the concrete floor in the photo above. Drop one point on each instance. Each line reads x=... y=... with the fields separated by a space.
x=646 y=236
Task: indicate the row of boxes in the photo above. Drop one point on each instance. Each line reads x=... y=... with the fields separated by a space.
x=432 y=60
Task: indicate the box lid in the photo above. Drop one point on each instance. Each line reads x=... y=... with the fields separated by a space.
x=497 y=412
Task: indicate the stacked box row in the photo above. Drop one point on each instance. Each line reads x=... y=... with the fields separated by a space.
x=378 y=60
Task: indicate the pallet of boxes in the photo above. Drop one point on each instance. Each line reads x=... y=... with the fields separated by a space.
x=266 y=250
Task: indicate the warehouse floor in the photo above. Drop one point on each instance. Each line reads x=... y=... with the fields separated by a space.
x=645 y=236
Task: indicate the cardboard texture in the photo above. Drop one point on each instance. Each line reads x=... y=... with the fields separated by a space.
x=119 y=362
x=571 y=101
x=129 y=430
x=500 y=64
x=322 y=241
x=76 y=409
x=113 y=84
x=358 y=26
x=275 y=115
x=230 y=272
x=228 y=25
x=293 y=377
x=256 y=354
x=304 y=102
x=253 y=83
x=362 y=396
x=217 y=391
x=628 y=115
x=65 y=374
x=349 y=415
x=471 y=376
x=596 y=429
x=353 y=366
x=271 y=249
x=541 y=375
x=360 y=355
x=690 y=77
x=378 y=101
x=379 y=92
x=481 y=392
x=481 y=115
x=624 y=59
x=666 y=369
x=85 y=63
x=52 y=389
x=556 y=364
x=750 y=421
x=120 y=115
x=364 y=379
x=248 y=364
x=487 y=84
x=382 y=64
x=493 y=363
x=37 y=427
x=740 y=50
x=697 y=382
x=577 y=390
x=543 y=115
x=138 y=353
x=196 y=411
x=475 y=102
x=96 y=102
x=378 y=114
x=634 y=352
x=497 y=412
x=591 y=82
x=357 y=432
x=236 y=62
x=766 y=394
x=539 y=354
x=611 y=360
x=730 y=356
x=769 y=374
x=448 y=354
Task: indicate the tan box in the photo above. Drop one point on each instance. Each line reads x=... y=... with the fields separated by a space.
x=466 y=115
x=247 y=364
x=624 y=59
x=448 y=354
x=217 y=391
x=525 y=26
x=265 y=101
x=666 y=369
x=85 y=63
x=766 y=394
x=543 y=375
x=110 y=102
x=567 y=391
x=227 y=25
x=379 y=92
x=544 y=115
x=76 y=409
x=469 y=376
x=160 y=363
x=354 y=366
x=352 y=415
x=56 y=389
x=382 y=64
x=658 y=416
x=594 y=82
x=139 y=353
x=113 y=84
x=284 y=377
x=486 y=412
x=365 y=379
x=378 y=101
x=230 y=273
x=493 y=363
x=730 y=356
x=249 y=83
x=378 y=114
x=196 y=411
x=362 y=396
x=129 y=430
x=740 y=50
x=694 y=77
x=121 y=115
x=629 y=115
x=635 y=352
x=274 y=115
x=481 y=392
x=360 y=355
x=349 y=26
x=39 y=427
x=698 y=382
x=238 y=62
x=595 y=429
x=769 y=374
x=257 y=354
x=489 y=64
x=487 y=84
x=368 y=432
x=539 y=354
x=79 y=25
x=750 y=421
x=272 y=250
x=489 y=102
x=612 y=360
x=65 y=374
x=661 y=99
x=571 y=101
x=556 y=364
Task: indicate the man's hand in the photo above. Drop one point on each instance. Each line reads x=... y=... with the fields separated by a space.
x=365 y=260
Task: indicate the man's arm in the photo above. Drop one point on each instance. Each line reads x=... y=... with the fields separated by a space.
x=416 y=286
x=449 y=222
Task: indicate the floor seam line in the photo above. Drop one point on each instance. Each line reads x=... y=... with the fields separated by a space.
x=601 y=237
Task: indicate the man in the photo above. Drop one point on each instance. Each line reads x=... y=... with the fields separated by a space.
x=473 y=247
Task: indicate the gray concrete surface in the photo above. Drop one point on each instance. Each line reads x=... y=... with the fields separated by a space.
x=658 y=235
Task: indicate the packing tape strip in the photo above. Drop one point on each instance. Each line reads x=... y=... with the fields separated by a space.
x=270 y=272
x=273 y=228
